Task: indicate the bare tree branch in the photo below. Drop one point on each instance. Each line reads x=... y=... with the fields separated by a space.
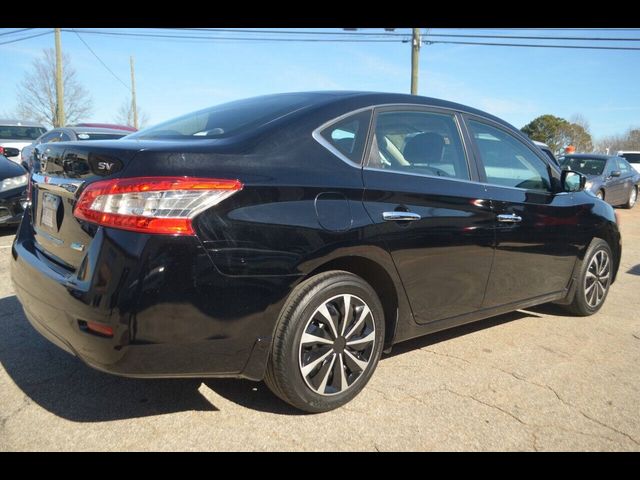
x=37 y=92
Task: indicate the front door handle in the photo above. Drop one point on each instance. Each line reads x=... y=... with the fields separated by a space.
x=509 y=218
x=400 y=216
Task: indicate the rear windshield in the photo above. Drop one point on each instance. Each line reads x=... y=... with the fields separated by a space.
x=20 y=133
x=100 y=136
x=586 y=166
x=631 y=157
x=227 y=119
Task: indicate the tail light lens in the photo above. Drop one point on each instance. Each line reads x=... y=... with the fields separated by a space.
x=162 y=205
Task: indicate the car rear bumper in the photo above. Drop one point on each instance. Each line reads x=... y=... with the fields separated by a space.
x=172 y=313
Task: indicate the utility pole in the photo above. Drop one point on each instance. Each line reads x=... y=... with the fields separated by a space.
x=134 y=106
x=415 y=60
x=59 y=120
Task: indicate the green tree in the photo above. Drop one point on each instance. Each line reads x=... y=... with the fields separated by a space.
x=548 y=129
x=559 y=133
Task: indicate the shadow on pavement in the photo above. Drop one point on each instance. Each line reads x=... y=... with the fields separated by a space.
x=445 y=335
x=63 y=385
x=634 y=270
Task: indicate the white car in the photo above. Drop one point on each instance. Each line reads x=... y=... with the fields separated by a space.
x=18 y=134
x=633 y=157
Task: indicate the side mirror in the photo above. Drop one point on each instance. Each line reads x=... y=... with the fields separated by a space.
x=616 y=173
x=11 y=152
x=572 y=181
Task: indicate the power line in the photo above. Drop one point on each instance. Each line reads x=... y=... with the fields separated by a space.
x=15 y=31
x=293 y=32
x=202 y=37
x=585 y=47
x=27 y=38
x=100 y=60
x=598 y=39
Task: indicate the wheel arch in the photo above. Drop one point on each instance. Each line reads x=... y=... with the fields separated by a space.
x=380 y=280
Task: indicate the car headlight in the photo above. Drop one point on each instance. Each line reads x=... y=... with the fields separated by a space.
x=14 y=182
x=588 y=185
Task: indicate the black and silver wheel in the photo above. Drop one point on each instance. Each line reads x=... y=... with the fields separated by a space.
x=600 y=194
x=595 y=279
x=633 y=197
x=327 y=343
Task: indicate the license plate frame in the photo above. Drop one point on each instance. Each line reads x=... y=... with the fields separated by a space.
x=50 y=205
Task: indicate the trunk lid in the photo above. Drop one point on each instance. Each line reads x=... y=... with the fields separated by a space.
x=62 y=172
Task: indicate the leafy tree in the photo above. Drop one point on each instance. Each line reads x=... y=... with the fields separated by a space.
x=559 y=133
x=37 y=92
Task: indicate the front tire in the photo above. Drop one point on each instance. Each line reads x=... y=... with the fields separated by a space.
x=600 y=194
x=633 y=197
x=327 y=342
x=594 y=279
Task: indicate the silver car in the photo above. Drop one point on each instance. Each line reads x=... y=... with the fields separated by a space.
x=18 y=134
x=609 y=177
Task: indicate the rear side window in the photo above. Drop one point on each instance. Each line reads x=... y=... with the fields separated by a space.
x=631 y=157
x=418 y=142
x=349 y=135
x=507 y=161
x=10 y=132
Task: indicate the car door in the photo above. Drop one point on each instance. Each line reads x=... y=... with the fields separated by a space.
x=534 y=254
x=434 y=217
x=614 y=185
x=627 y=175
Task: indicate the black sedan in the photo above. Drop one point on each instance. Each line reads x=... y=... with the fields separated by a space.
x=294 y=237
x=608 y=177
x=13 y=186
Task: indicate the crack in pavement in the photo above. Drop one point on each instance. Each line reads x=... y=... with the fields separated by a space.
x=570 y=405
x=25 y=403
x=444 y=355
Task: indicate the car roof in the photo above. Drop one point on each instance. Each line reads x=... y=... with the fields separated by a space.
x=94 y=130
x=590 y=155
x=20 y=123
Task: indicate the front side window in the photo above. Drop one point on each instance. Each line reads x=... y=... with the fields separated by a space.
x=507 y=161
x=349 y=135
x=624 y=167
x=426 y=143
x=50 y=137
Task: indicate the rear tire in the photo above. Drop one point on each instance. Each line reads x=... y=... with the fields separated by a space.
x=321 y=358
x=594 y=279
x=633 y=197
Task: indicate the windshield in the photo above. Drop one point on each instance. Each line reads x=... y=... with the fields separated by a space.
x=227 y=119
x=631 y=157
x=20 y=133
x=586 y=166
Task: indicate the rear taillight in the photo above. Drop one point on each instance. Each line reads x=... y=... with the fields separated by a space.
x=1 y=150
x=163 y=205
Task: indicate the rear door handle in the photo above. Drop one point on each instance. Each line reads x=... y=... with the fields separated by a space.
x=509 y=218
x=400 y=216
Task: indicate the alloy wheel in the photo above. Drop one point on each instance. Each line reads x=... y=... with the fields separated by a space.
x=337 y=344
x=633 y=197
x=597 y=279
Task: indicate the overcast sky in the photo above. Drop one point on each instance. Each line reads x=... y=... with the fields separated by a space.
x=178 y=76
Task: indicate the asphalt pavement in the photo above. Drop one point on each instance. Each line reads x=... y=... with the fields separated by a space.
x=529 y=380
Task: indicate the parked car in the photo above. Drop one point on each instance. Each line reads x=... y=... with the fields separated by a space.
x=294 y=237
x=18 y=134
x=547 y=151
x=13 y=186
x=610 y=178
x=632 y=157
x=31 y=153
